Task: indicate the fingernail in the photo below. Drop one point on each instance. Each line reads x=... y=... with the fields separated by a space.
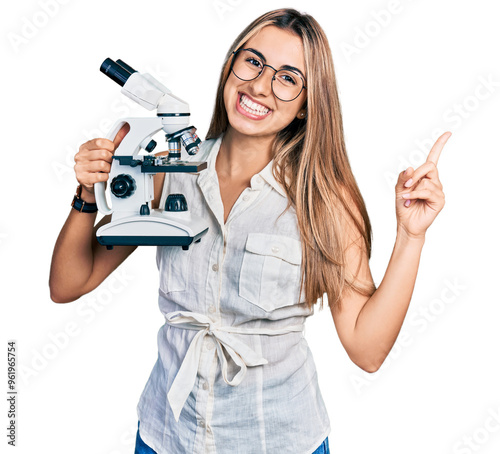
x=406 y=172
x=407 y=203
x=409 y=183
x=405 y=195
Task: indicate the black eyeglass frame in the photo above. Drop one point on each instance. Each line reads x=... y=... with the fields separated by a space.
x=262 y=70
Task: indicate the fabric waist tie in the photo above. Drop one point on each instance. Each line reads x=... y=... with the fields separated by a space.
x=241 y=354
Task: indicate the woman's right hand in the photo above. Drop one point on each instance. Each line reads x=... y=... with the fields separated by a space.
x=94 y=158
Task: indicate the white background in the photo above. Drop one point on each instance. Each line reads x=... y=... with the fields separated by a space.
x=407 y=71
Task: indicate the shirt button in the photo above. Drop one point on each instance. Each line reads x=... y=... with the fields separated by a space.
x=259 y=180
x=211 y=309
x=275 y=249
x=215 y=267
x=205 y=385
x=246 y=198
x=202 y=423
x=210 y=346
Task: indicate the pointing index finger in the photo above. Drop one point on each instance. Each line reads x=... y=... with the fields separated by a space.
x=437 y=147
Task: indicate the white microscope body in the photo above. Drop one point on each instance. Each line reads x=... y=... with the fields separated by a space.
x=133 y=221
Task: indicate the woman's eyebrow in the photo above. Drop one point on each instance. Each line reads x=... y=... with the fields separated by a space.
x=287 y=67
x=255 y=51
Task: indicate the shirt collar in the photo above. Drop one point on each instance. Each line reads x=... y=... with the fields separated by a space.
x=266 y=173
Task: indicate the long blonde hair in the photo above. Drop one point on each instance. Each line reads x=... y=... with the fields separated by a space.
x=311 y=163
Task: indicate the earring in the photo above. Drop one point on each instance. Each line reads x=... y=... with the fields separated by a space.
x=302 y=114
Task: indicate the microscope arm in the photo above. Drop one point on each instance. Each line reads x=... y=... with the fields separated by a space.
x=139 y=136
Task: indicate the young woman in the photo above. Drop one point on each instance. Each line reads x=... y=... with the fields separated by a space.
x=287 y=224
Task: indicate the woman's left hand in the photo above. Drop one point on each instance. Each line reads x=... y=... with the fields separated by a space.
x=419 y=194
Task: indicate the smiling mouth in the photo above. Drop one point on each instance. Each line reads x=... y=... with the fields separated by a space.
x=252 y=107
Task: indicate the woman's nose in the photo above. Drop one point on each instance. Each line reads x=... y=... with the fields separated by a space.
x=262 y=85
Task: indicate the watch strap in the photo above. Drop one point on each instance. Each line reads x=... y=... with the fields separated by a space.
x=80 y=205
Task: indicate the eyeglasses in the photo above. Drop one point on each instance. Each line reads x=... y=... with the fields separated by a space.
x=286 y=84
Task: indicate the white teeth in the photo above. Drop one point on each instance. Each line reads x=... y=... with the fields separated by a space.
x=251 y=107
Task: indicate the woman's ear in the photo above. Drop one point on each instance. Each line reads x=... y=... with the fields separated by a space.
x=302 y=114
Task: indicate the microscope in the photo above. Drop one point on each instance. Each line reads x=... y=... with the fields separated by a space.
x=131 y=182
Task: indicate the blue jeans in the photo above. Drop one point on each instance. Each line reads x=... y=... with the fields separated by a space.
x=143 y=448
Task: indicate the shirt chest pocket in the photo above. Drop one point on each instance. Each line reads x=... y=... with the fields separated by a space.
x=173 y=264
x=270 y=271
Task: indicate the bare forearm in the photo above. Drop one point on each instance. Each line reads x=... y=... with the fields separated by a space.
x=380 y=320
x=72 y=260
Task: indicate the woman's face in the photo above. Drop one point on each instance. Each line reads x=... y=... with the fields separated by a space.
x=251 y=106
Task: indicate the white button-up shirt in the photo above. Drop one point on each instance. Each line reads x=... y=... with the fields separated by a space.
x=234 y=372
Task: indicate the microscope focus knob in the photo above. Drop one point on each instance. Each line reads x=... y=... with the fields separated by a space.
x=123 y=186
x=176 y=202
x=151 y=146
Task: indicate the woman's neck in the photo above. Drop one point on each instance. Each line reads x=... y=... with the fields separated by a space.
x=241 y=156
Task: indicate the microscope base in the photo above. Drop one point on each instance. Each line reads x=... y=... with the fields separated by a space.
x=184 y=241
x=157 y=229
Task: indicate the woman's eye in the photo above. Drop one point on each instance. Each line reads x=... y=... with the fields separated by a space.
x=254 y=62
x=287 y=79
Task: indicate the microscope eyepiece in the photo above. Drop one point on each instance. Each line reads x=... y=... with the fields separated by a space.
x=126 y=67
x=118 y=71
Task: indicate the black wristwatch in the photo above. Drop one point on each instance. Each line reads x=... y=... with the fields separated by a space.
x=80 y=205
